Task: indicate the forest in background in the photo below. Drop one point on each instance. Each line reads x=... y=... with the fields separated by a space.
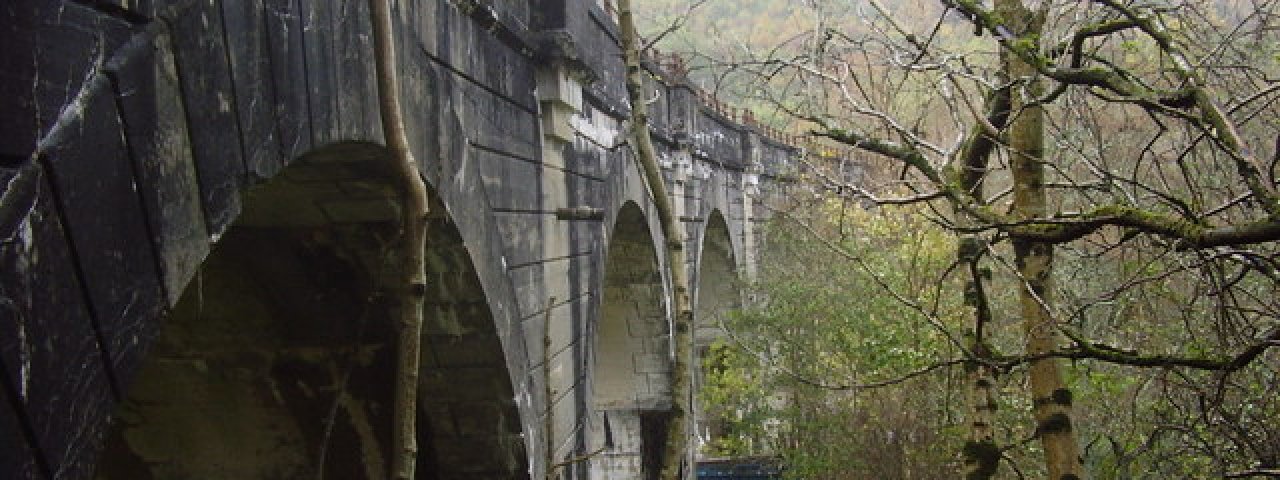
x=1106 y=144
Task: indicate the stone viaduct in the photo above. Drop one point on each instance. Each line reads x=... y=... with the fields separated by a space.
x=197 y=229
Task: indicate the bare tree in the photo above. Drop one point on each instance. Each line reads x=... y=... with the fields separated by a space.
x=1115 y=160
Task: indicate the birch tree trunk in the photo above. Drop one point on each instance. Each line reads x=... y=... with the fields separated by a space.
x=414 y=231
x=981 y=452
x=673 y=232
x=1050 y=397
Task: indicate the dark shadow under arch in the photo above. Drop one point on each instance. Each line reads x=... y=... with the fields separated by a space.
x=278 y=360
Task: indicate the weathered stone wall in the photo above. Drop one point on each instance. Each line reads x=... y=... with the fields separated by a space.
x=136 y=134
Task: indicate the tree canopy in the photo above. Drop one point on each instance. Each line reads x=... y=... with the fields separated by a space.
x=1105 y=174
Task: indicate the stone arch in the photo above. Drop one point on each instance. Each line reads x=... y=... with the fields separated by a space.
x=718 y=291
x=721 y=196
x=719 y=287
x=631 y=355
x=278 y=359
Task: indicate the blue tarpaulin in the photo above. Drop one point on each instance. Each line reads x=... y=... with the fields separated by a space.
x=739 y=469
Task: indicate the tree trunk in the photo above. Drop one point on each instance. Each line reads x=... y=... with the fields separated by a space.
x=414 y=231
x=981 y=452
x=1051 y=399
x=673 y=232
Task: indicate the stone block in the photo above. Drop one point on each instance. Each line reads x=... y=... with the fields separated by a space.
x=59 y=384
x=89 y=168
x=200 y=51
x=249 y=48
x=482 y=457
x=444 y=319
x=52 y=51
x=155 y=127
x=287 y=60
x=18 y=458
x=465 y=384
x=497 y=170
x=642 y=389
x=355 y=80
x=563 y=333
x=565 y=422
x=557 y=85
x=465 y=351
x=563 y=374
x=557 y=122
x=318 y=36
x=439 y=414
x=361 y=210
x=660 y=383
x=651 y=363
x=475 y=419
x=643 y=327
x=660 y=345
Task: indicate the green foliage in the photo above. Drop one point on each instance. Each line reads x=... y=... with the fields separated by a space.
x=853 y=329
x=824 y=318
x=830 y=321
x=737 y=399
x=838 y=322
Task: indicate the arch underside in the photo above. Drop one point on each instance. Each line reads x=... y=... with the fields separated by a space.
x=631 y=384
x=278 y=361
x=718 y=292
x=718 y=289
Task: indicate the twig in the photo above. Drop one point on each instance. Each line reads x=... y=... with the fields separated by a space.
x=551 y=470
